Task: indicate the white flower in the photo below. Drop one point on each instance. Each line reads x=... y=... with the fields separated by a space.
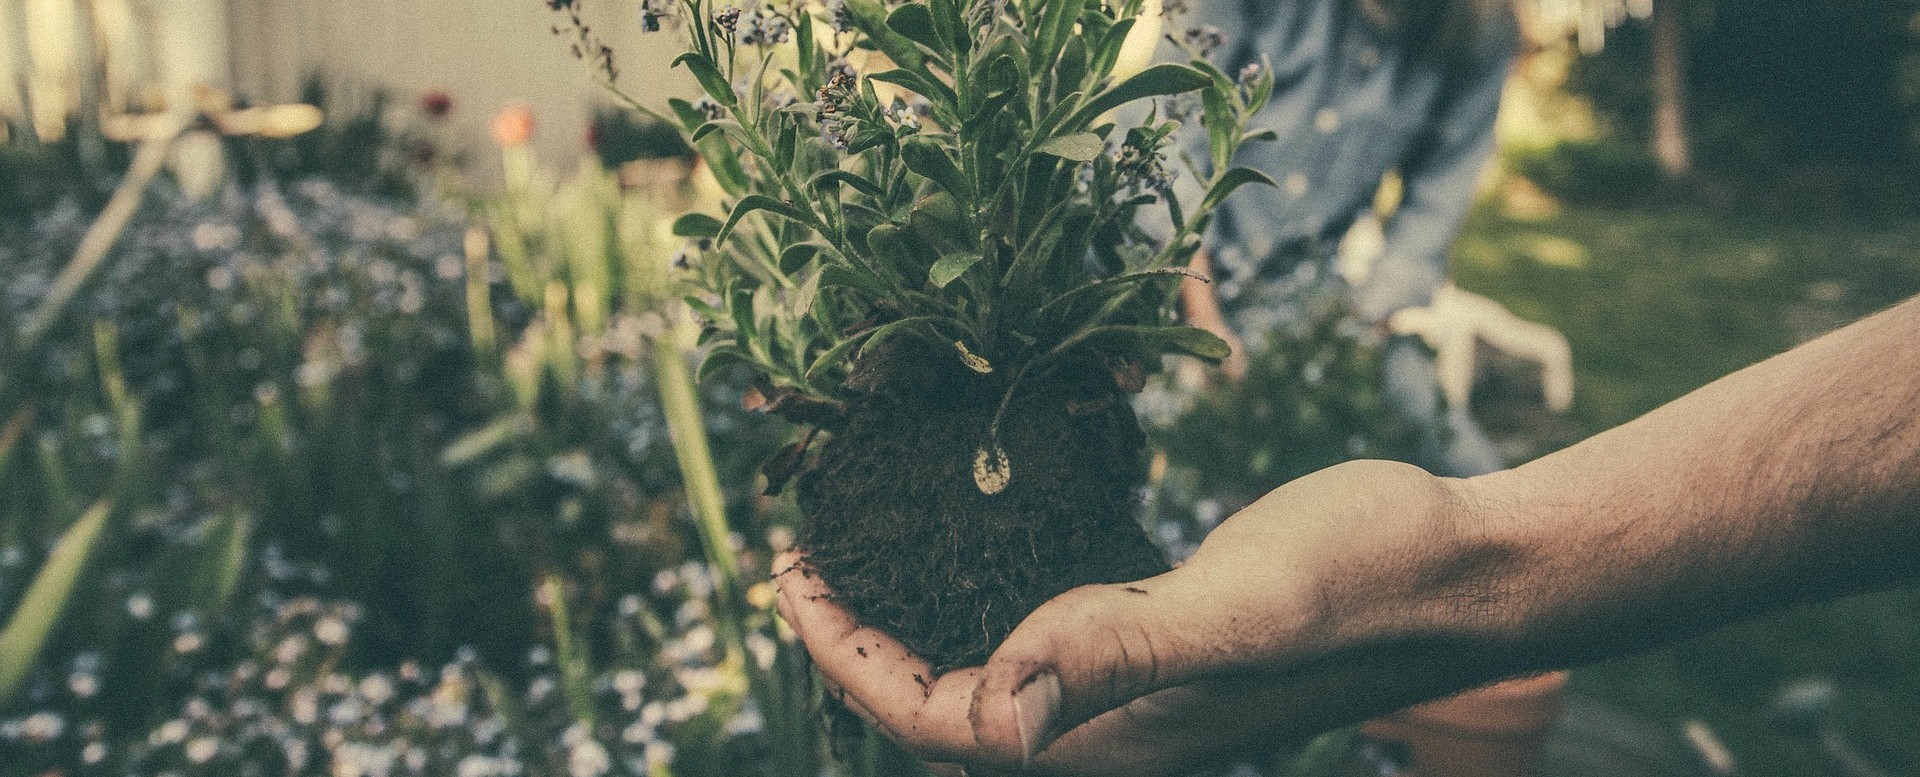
x=1137 y=51
x=629 y=681
x=171 y=732
x=331 y=631
x=202 y=749
x=659 y=756
x=289 y=649
x=588 y=759
x=83 y=684
x=42 y=727
x=376 y=689
x=306 y=706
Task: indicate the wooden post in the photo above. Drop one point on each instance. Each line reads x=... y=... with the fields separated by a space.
x=1672 y=143
x=18 y=102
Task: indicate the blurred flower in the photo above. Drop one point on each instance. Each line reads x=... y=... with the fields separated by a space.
x=588 y=759
x=764 y=28
x=1137 y=50
x=436 y=104
x=42 y=727
x=654 y=14
x=513 y=126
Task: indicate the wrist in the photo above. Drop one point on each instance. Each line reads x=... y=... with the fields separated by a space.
x=1460 y=585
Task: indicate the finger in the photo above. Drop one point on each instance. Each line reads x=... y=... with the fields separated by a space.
x=1095 y=649
x=1179 y=730
x=894 y=690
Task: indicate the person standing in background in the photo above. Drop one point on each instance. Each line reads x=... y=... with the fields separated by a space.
x=1363 y=88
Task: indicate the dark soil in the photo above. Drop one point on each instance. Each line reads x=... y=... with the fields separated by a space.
x=897 y=527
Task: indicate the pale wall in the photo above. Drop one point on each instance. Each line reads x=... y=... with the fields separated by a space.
x=485 y=53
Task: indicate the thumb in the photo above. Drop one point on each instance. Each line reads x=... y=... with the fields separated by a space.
x=1091 y=650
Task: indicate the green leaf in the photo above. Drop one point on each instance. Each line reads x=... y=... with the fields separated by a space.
x=948 y=25
x=711 y=81
x=1114 y=284
x=931 y=89
x=740 y=308
x=725 y=165
x=860 y=184
x=951 y=267
x=783 y=149
x=717 y=359
x=1165 y=339
x=870 y=137
x=803 y=298
x=1110 y=45
x=1220 y=122
x=696 y=225
x=222 y=562
x=1079 y=147
x=1056 y=23
x=690 y=117
x=836 y=276
x=1071 y=69
x=886 y=331
x=888 y=244
x=915 y=21
x=1234 y=179
x=804 y=47
x=871 y=17
x=1157 y=81
x=39 y=611
x=1262 y=87
x=928 y=158
x=839 y=352
x=796 y=256
x=753 y=202
x=835 y=355
x=703 y=309
x=938 y=220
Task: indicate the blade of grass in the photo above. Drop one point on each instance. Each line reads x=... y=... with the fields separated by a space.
x=574 y=662
x=39 y=612
x=102 y=234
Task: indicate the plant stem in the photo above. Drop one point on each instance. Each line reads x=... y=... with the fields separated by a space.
x=103 y=233
x=680 y=403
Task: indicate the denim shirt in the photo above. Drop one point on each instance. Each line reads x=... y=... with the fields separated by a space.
x=1350 y=103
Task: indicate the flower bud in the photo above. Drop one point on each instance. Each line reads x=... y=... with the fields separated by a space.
x=513 y=126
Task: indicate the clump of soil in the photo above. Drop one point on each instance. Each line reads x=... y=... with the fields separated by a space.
x=910 y=545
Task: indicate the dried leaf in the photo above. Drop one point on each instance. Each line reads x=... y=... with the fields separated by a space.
x=973 y=361
x=991 y=470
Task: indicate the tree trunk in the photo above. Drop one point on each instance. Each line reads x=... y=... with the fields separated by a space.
x=1672 y=143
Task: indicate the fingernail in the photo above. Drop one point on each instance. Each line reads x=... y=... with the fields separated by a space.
x=1035 y=705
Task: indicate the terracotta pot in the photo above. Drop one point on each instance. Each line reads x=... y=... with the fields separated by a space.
x=1495 y=731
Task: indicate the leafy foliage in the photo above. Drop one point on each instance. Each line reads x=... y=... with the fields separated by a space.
x=971 y=189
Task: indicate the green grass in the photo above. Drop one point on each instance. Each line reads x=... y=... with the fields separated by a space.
x=1656 y=305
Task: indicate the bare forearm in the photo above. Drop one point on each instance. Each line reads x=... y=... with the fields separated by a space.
x=1796 y=478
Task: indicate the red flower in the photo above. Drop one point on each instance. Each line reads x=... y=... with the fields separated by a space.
x=436 y=104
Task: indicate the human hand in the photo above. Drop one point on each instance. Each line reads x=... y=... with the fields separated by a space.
x=1318 y=606
x=1200 y=306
